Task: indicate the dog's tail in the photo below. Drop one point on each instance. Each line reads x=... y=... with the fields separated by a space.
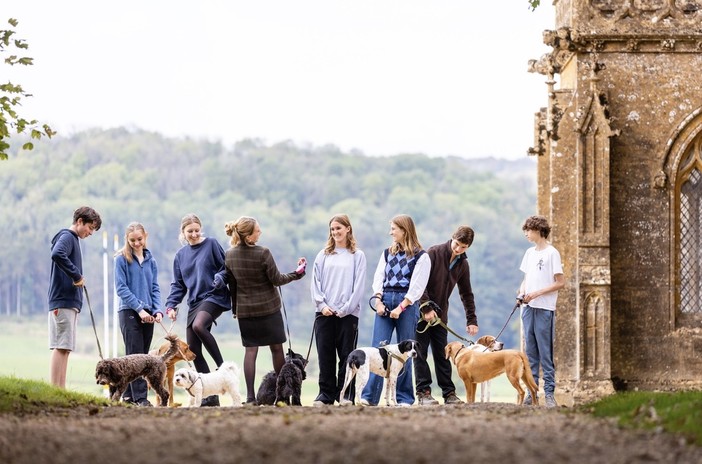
x=230 y=366
x=528 y=378
x=172 y=350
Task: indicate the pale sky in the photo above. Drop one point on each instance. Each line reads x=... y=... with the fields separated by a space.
x=440 y=77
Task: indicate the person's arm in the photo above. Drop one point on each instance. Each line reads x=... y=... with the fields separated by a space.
x=418 y=283
x=60 y=255
x=318 y=296
x=122 y=288
x=378 y=278
x=465 y=290
x=178 y=290
x=155 y=292
x=558 y=283
x=274 y=275
x=359 y=264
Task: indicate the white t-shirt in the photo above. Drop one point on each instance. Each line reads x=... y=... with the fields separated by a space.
x=539 y=268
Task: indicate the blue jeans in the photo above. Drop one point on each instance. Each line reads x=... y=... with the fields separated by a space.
x=405 y=326
x=539 y=328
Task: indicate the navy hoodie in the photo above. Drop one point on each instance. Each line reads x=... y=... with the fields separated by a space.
x=66 y=268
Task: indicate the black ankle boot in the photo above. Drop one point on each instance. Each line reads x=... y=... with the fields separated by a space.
x=210 y=401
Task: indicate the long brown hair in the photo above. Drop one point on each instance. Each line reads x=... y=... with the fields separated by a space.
x=410 y=243
x=344 y=220
x=127 y=251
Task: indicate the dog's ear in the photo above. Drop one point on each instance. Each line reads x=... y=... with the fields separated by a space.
x=192 y=376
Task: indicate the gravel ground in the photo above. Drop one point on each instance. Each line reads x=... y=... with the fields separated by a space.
x=487 y=433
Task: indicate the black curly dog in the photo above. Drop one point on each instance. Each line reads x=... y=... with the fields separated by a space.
x=119 y=372
x=287 y=385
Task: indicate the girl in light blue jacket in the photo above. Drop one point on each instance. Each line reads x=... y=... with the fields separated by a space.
x=136 y=283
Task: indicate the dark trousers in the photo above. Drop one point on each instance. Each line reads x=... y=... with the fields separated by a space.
x=137 y=338
x=336 y=337
x=436 y=337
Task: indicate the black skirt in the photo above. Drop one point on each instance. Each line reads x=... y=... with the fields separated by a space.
x=263 y=330
x=213 y=309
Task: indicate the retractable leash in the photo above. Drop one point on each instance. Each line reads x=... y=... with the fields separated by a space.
x=92 y=319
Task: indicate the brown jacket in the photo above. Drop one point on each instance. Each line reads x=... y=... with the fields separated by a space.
x=253 y=271
x=442 y=282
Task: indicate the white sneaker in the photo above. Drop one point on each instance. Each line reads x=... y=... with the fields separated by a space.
x=345 y=402
x=404 y=405
x=318 y=404
x=365 y=402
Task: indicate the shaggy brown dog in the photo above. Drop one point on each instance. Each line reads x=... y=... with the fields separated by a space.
x=474 y=367
x=183 y=354
x=119 y=372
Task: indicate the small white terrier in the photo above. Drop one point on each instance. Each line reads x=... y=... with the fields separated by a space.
x=199 y=385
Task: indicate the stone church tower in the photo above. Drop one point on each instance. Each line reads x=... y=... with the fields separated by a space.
x=619 y=149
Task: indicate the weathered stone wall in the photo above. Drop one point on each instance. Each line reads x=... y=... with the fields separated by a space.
x=635 y=66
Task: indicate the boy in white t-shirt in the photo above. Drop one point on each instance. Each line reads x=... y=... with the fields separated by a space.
x=543 y=277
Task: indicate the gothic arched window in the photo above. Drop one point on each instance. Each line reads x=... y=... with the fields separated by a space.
x=689 y=236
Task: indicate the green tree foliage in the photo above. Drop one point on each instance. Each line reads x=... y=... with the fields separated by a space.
x=534 y=3
x=292 y=191
x=11 y=96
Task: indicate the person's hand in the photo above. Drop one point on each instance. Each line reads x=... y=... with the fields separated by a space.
x=301 y=266
x=380 y=308
x=158 y=318
x=146 y=317
x=472 y=330
x=218 y=281
x=327 y=311
x=80 y=283
x=171 y=313
x=395 y=313
x=429 y=315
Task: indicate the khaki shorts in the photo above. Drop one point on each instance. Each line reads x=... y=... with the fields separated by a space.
x=62 y=328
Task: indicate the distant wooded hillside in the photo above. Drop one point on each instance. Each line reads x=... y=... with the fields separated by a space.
x=132 y=175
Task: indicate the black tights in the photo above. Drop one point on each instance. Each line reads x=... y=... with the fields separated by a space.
x=250 y=365
x=198 y=334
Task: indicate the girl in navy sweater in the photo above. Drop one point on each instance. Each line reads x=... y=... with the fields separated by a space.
x=194 y=269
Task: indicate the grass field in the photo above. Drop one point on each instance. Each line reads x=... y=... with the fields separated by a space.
x=23 y=342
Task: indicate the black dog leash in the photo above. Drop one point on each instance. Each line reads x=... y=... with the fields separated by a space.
x=314 y=325
x=92 y=319
x=287 y=323
x=372 y=307
x=519 y=302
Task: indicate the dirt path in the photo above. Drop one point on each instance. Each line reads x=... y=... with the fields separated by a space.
x=486 y=433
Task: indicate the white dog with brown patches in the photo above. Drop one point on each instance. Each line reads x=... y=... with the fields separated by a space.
x=200 y=385
x=484 y=344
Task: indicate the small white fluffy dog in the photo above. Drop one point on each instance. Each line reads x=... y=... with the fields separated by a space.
x=199 y=385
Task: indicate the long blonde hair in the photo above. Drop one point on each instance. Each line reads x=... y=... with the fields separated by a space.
x=127 y=251
x=240 y=229
x=344 y=220
x=410 y=243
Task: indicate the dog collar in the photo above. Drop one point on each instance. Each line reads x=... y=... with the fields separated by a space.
x=191 y=386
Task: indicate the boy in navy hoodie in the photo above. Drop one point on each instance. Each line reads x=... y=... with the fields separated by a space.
x=66 y=289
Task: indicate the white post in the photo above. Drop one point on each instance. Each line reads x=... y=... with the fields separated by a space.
x=106 y=312
x=115 y=306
